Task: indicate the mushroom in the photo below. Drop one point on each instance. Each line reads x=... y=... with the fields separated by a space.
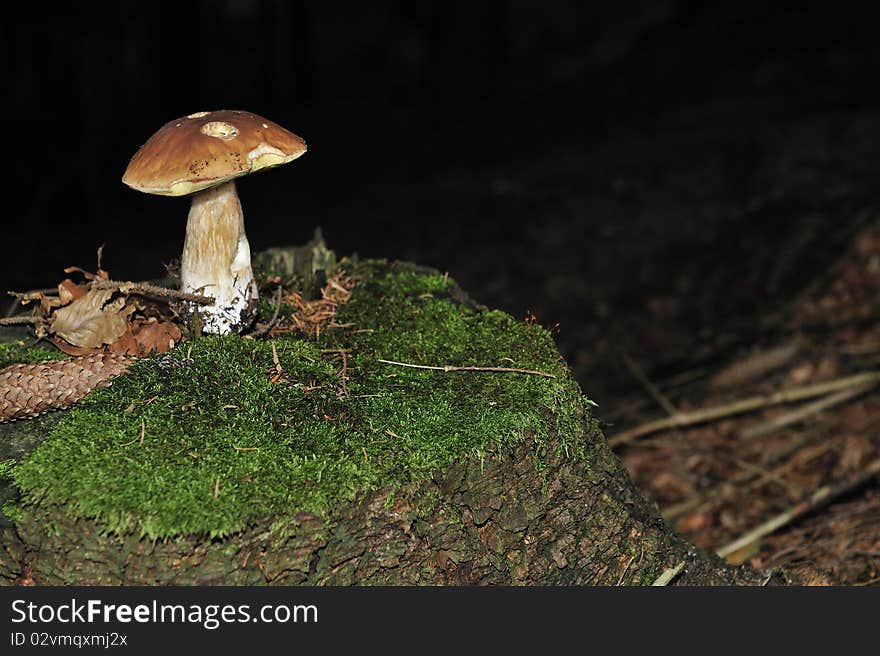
x=202 y=154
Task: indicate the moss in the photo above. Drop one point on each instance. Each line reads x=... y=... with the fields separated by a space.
x=221 y=440
x=18 y=350
x=651 y=571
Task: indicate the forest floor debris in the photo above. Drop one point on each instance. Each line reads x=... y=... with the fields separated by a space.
x=792 y=483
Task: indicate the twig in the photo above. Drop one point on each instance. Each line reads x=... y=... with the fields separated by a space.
x=140 y=438
x=628 y=564
x=448 y=368
x=684 y=419
x=675 y=511
x=821 y=496
x=30 y=295
x=33 y=295
x=265 y=328
x=275 y=359
x=860 y=349
x=757 y=364
x=669 y=575
x=639 y=374
x=152 y=290
x=802 y=413
x=764 y=474
x=17 y=321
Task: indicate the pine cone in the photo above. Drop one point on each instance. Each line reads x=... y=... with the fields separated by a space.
x=28 y=390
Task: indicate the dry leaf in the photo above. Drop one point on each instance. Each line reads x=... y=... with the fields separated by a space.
x=69 y=291
x=47 y=303
x=92 y=320
x=144 y=336
x=70 y=349
x=159 y=336
x=88 y=275
x=126 y=344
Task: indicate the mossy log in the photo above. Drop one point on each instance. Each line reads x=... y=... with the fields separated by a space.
x=495 y=522
x=385 y=476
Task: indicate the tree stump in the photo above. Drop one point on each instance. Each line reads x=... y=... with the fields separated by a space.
x=321 y=461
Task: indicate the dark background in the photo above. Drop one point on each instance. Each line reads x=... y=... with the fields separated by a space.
x=644 y=174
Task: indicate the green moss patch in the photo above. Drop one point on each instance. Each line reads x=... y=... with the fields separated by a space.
x=14 y=351
x=213 y=437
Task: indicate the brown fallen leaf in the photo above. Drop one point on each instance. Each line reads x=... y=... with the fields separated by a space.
x=66 y=347
x=159 y=336
x=88 y=275
x=144 y=336
x=125 y=345
x=70 y=291
x=46 y=303
x=92 y=320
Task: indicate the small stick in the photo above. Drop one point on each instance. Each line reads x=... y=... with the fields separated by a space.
x=262 y=330
x=152 y=290
x=626 y=569
x=668 y=575
x=675 y=511
x=26 y=297
x=17 y=321
x=275 y=359
x=31 y=295
x=860 y=349
x=448 y=367
x=756 y=365
x=140 y=438
x=802 y=413
x=639 y=374
x=821 y=496
x=684 y=419
x=764 y=474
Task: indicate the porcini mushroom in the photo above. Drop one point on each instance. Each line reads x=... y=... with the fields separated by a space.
x=202 y=154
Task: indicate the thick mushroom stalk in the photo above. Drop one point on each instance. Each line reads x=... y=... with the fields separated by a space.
x=217 y=261
x=202 y=154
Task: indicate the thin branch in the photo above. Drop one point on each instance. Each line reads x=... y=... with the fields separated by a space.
x=626 y=569
x=33 y=295
x=152 y=290
x=673 y=512
x=29 y=295
x=685 y=419
x=821 y=496
x=640 y=375
x=448 y=368
x=265 y=328
x=18 y=321
x=802 y=413
x=669 y=574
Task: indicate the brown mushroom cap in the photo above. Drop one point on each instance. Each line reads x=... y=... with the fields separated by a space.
x=206 y=149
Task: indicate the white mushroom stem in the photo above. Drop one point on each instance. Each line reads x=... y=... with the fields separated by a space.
x=217 y=261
